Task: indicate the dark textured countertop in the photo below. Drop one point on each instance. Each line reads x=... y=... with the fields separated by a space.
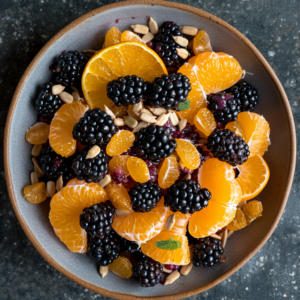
x=273 y=27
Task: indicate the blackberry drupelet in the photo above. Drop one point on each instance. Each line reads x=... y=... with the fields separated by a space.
x=154 y=143
x=96 y=220
x=70 y=65
x=92 y=169
x=245 y=93
x=165 y=46
x=224 y=107
x=168 y=91
x=126 y=90
x=104 y=250
x=148 y=272
x=128 y=246
x=95 y=128
x=47 y=104
x=228 y=147
x=144 y=196
x=207 y=252
x=186 y=196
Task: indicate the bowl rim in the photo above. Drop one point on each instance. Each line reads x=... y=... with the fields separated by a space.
x=15 y=99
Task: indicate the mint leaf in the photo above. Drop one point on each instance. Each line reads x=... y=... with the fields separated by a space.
x=170 y=244
x=184 y=105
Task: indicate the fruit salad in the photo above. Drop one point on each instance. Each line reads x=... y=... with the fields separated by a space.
x=149 y=152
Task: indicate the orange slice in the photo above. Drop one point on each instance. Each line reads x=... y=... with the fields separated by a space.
x=38 y=133
x=238 y=222
x=170 y=246
x=129 y=36
x=141 y=227
x=121 y=266
x=65 y=209
x=201 y=43
x=61 y=128
x=254 y=176
x=112 y=37
x=252 y=210
x=138 y=169
x=169 y=172
x=128 y=58
x=218 y=178
x=188 y=154
x=117 y=162
x=205 y=121
x=120 y=142
x=35 y=193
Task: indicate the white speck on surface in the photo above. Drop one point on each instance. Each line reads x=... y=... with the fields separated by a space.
x=271 y=53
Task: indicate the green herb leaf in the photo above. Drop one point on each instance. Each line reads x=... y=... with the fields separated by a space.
x=184 y=105
x=170 y=244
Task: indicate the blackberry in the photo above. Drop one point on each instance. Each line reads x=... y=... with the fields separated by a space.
x=46 y=103
x=91 y=169
x=154 y=143
x=224 y=107
x=165 y=46
x=104 y=250
x=126 y=90
x=144 y=196
x=95 y=128
x=128 y=246
x=70 y=65
x=96 y=220
x=168 y=91
x=245 y=93
x=186 y=196
x=148 y=272
x=207 y=252
x=228 y=147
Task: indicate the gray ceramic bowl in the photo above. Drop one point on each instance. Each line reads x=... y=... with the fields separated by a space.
x=88 y=32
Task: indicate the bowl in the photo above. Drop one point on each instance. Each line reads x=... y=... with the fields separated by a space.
x=88 y=32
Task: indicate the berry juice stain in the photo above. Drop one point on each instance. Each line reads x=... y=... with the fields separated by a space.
x=117 y=21
x=132 y=17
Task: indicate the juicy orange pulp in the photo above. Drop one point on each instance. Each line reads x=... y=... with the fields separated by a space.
x=38 y=133
x=35 y=193
x=120 y=143
x=118 y=162
x=169 y=172
x=180 y=256
x=129 y=36
x=238 y=222
x=188 y=154
x=112 y=37
x=138 y=169
x=252 y=210
x=201 y=43
x=121 y=266
x=205 y=122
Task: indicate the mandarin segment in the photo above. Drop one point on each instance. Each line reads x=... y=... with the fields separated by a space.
x=169 y=172
x=129 y=36
x=112 y=37
x=121 y=266
x=118 y=162
x=65 y=209
x=238 y=222
x=138 y=169
x=35 y=193
x=119 y=196
x=201 y=43
x=38 y=133
x=205 y=122
x=61 y=128
x=252 y=210
x=120 y=142
x=188 y=154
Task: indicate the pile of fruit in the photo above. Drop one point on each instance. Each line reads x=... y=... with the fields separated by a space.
x=149 y=152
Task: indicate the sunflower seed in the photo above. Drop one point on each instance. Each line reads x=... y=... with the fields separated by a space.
x=105 y=181
x=74 y=88
x=130 y=122
x=141 y=125
x=166 y=270
x=148 y=37
x=109 y=112
x=103 y=271
x=170 y=222
x=38 y=172
x=158 y=111
x=119 y=122
x=121 y=213
x=215 y=236
x=66 y=97
x=59 y=183
x=148 y=118
x=57 y=89
x=153 y=26
x=183 y=53
x=230 y=233
x=189 y=30
x=93 y=152
x=76 y=96
x=36 y=150
x=182 y=123
x=185 y=270
x=173 y=118
x=162 y=119
x=146 y=111
x=34 y=178
x=36 y=164
x=51 y=188
x=172 y=277
x=224 y=237
x=181 y=41
x=89 y=52
x=188 y=176
x=141 y=29
x=137 y=108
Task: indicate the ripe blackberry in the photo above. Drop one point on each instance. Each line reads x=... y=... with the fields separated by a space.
x=70 y=65
x=224 y=107
x=227 y=146
x=128 y=246
x=165 y=46
x=92 y=169
x=46 y=103
x=207 y=252
x=126 y=90
x=245 y=93
x=186 y=196
x=153 y=143
x=144 y=196
x=96 y=220
x=148 y=272
x=104 y=250
x=168 y=91
x=95 y=128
